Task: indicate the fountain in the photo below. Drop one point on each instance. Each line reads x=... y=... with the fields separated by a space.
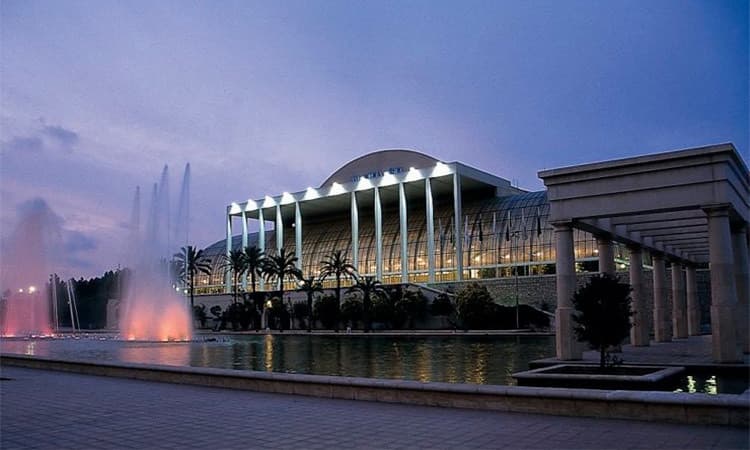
x=153 y=309
x=26 y=257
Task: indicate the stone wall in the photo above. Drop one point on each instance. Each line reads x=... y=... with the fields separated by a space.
x=541 y=291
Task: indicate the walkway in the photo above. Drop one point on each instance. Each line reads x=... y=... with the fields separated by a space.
x=55 y=410
x=693 y=351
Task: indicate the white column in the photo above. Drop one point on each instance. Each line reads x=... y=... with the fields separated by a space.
x=723 y=287
x=679 y=303
x=261 y=242
x=568 y=348
x=639 y=332
x=228 y=275
x=742 y=281
x=244 y=245
x=355 y=231
x=378 y=236
x=298 y=235
x=279 y=229
x=662 y=327
x=404 y=232
x=693 y=306
x=429 y=214
x=606 y=256
x=458 y=228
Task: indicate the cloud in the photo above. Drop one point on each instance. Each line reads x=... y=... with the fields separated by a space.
x=52 y=138
x=64 y=137
x=75 y=242
x=23 y=144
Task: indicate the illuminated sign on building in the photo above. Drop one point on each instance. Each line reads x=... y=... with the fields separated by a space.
x=378 y=173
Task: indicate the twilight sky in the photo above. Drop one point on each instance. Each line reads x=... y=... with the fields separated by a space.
x=265 y=97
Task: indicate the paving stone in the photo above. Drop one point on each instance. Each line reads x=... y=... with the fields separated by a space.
x=54 y=410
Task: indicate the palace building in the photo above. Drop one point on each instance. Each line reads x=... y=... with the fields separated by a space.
x=403 y=216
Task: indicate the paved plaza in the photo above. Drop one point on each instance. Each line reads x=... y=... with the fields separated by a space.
x=56 y=410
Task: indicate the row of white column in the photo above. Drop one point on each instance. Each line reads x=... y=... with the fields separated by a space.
x=730 y=291
x=378 y=225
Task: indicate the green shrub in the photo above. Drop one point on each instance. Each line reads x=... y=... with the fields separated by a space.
x=327 y=311
x=602 y=313
x=475 y=307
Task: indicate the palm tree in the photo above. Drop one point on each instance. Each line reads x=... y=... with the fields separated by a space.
x=337 y=264
x=280 y=267
x=190 y=263
x=254 y=259
x=368 y=286
x=310 y=286
x=234 y=262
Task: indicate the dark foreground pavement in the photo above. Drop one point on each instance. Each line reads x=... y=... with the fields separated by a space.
x=56 y=410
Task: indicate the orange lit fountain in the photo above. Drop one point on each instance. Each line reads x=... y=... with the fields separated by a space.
x=152 y=308
x=27 y=252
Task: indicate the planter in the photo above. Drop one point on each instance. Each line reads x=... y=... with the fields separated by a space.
x=639 y=378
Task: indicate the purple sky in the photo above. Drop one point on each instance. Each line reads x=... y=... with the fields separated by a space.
x=266 y=97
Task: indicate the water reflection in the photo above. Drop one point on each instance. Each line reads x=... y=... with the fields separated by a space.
x=457 y=359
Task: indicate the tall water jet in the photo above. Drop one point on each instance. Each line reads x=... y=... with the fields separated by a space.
x=153 y=308
x=27 y=256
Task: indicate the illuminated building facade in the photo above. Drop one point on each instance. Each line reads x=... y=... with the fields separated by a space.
x=402 y=217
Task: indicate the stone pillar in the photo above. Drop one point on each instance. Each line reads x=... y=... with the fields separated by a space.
x=723 y=287
x=742 y=281
x=568 y=348
x=298 y=235
x=404 y=233
x=228 y=274
x=662 y=326
x=606 y=256
x=244 y=246
x=639 y=335
x=679 y=304
x=429 y=214
x=279 y=230
x=378 y=236
x=693 y=306
x=261 y=242
x=457 y=222
x=355 y=231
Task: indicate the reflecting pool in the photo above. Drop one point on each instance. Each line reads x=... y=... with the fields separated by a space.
x=454 y=359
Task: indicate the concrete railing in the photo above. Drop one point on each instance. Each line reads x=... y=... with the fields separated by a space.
x=638 y=405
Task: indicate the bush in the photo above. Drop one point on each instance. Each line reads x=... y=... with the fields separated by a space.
x=351 y=311
x=199 y=314
x=410 y=307
x=475 y=307
x=602 y=313
x=441 y=306
x=278 y=316
x=301 y=313
x=327 y=311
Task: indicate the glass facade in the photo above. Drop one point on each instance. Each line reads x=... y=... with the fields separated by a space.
x=502 y=236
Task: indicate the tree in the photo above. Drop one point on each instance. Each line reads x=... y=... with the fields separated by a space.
x=602 y=313
x=337 y=264
x=279 y=268
x=368 y=286
x=199 y=314
x=475 y=306
x=254 y=260
x=351 y=311
x=190 y=263
x=327 y=311
x=310 y=286
x=235 y=263
x=441 y=305
x=412 y=305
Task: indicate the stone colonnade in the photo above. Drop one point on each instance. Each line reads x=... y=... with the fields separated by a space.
x=730 y=290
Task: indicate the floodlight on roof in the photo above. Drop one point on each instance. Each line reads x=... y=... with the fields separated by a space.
x=234 y=208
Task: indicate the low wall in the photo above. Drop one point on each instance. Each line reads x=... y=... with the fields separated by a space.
x=653 y=406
